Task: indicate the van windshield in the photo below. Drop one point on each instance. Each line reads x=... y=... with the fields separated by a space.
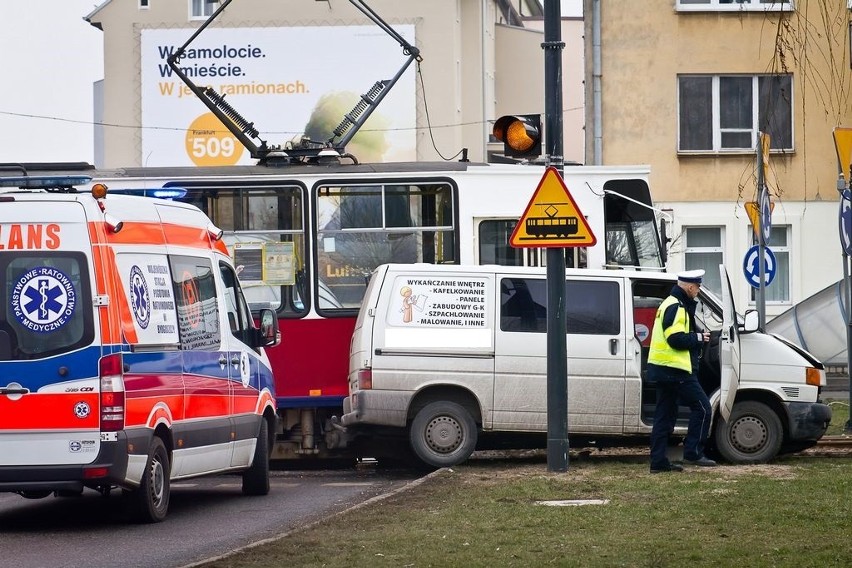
x=46 y=304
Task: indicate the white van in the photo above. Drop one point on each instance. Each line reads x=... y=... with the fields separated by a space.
x=449 y=352
x=128 y=355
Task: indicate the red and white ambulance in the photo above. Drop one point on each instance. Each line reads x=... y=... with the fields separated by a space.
x=128 y=354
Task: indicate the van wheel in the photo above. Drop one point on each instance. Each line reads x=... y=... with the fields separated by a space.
x=752 y=435
x=256 y=478
x=150 y=501
x=443 y=434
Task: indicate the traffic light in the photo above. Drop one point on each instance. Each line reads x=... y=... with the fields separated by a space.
x=520 y=135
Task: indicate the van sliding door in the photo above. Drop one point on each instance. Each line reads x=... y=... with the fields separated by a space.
x=595 y=349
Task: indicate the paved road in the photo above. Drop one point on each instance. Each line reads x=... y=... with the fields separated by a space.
x=207 y=517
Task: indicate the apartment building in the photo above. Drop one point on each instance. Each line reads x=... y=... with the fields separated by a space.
x=687 y=85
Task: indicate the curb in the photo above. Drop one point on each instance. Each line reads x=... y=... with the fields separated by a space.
x=370 y=501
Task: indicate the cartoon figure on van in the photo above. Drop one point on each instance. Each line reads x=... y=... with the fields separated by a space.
x=476 y=361
x=407 y=302
x=118 y=367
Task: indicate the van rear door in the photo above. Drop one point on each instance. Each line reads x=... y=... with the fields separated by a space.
x=729 y=344
x=49 y=408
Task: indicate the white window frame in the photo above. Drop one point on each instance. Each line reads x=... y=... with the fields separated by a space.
x=720 y=249
x=739 y=6
x=202 y=4
x=716 y=119
x=777 y=250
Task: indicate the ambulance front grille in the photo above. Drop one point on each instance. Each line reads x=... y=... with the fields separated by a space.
x=791 y=392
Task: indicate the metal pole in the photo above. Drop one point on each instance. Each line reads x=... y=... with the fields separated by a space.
x=761 y=291
x=761 y=252
x=557 y=358
x=842 y=188
x=847 y=280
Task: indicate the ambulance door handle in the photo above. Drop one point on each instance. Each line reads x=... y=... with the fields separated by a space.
x=235 y=360
x=222 y=361
x=613 y=346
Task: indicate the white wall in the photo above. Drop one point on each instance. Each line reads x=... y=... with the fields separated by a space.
x=814 y=244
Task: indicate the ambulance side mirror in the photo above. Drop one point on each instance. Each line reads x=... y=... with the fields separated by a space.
x=269 y=336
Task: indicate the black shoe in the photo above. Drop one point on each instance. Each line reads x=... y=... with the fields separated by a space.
x=669 y=467
x=703 y=461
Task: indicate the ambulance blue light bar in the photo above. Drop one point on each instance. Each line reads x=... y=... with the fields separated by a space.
x=158 y=192
x=44 y=182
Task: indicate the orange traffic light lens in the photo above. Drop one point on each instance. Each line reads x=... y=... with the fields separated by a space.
x=518 y=138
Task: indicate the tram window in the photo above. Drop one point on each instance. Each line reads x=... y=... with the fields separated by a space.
x=264 y=232
x=363 y=226
x=494 y=246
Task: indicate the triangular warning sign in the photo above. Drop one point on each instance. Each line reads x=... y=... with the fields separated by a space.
x=753 y=210
x=552 y=218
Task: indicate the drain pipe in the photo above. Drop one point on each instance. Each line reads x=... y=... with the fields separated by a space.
x=597 y=143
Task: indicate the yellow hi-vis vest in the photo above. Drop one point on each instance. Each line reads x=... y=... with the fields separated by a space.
x=661 y=353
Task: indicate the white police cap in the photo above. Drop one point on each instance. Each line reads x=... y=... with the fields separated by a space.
x=691 y=276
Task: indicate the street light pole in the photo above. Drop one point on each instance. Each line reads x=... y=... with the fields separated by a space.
x=557 y=359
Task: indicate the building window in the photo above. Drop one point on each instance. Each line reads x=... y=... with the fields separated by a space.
x=779 y=290
x=704 y=251
x=735 y=5
x=724 y=113
x=143 y=4
x=202 y=8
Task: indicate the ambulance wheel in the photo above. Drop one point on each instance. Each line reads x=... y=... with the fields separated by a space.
x=752 y=435
x=443 y=434
x=256 y=478
x=150 y=501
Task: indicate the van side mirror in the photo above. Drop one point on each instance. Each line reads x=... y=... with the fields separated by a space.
x=751 y=321
x=269 y=335
x=665 y=239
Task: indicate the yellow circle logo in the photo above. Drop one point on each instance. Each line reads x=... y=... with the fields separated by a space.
x=209 y=143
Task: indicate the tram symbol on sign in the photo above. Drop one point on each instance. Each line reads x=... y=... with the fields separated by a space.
x=551 y=226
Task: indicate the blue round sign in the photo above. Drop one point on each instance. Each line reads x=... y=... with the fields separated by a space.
x=845 y=223
x=765 y=216
x=751 y=268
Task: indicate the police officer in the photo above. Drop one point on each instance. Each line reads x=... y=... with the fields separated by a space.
x=676 y=345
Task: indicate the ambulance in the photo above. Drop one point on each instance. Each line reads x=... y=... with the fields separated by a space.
x=128 y=355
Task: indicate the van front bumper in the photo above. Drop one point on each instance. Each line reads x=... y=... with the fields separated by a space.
x=808 y=421
x=382 y=408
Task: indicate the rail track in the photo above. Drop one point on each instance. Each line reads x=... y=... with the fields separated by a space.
x=835 y=442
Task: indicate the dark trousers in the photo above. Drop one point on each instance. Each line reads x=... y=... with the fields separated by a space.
x=690 y=393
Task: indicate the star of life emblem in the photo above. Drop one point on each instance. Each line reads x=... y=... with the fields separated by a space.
x=81 y=410
x=140 y=300
x=43 y=299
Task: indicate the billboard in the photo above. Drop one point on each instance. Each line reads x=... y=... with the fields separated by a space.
x=288 y=82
